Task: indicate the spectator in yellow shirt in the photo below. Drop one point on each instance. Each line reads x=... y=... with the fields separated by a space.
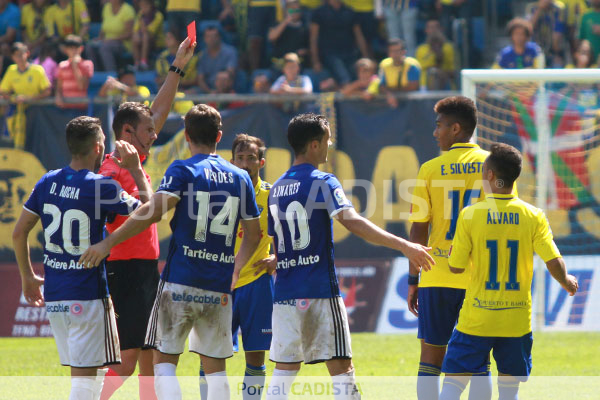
x=398 y=73
x=23 y=82
x=147 y=33
x=436 y=57
x=34 y=22
x=367 y=84
x=68 y=17
x=115 y=35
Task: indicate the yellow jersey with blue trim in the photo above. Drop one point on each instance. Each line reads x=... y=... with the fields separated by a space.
x=263 y=250
x=495 y=239
x=30 y=82
x=444 y=186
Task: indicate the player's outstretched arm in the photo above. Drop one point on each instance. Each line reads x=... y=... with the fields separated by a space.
x=368 y=231
x=164 y=99
x=250 y=241
x=30 y=281
x=558 y=270
x=137 y=222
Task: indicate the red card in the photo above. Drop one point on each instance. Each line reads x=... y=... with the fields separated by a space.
x=191 y=31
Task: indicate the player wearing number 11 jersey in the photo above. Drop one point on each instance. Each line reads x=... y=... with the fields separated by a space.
x=210 y=196
x=496 y=239
x=310 y=323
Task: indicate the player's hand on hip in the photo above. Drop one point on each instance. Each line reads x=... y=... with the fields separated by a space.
x=418 y=255
x=184 y=53
x=267 y=263
x=412 y=299
x=94 y=255
x=571 y=285
x=126 y=155
x=32 y=290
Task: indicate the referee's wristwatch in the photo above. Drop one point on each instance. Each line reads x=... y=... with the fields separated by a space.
x=177 y=70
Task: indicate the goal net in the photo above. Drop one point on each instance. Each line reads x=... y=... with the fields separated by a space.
x=552 y=117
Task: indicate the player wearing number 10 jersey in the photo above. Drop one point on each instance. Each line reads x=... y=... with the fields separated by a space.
x=73 y=204
x=210 y=197
x=310 y=323
x=496 y=239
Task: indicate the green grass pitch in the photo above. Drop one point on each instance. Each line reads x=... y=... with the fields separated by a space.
x=379 y=359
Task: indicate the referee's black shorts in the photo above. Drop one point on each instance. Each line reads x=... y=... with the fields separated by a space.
x=132 y=284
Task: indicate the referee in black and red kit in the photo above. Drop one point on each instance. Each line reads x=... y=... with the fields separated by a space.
x=132 y=266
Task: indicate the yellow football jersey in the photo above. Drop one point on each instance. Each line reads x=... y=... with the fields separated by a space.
x=264 y=247
x=495 y=239
x=445 y=185
x=63 y=21
x=31 y=82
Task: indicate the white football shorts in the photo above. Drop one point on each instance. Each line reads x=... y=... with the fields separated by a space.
x=180 y=311
x=310 y=330
x=85 y=332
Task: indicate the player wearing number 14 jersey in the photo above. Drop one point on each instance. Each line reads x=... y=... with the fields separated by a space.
x=310 y=323
x=210 y=196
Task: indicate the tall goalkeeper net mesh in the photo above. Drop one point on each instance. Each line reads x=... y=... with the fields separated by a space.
x=510 y=113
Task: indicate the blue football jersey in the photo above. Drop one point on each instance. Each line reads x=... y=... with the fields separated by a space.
x=73 y=206
x=214 y=194
x=302 y=204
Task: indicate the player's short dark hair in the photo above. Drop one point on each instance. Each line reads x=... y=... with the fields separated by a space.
x=519 y=23
x=305 y=128
x=18 y=46
x=459 y=109
x=202 y=124
x=82 y=133
x=242 y=141
x=130 y=113
x=505 y=161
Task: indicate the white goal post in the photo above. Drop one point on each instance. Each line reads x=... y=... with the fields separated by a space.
x=544 y=89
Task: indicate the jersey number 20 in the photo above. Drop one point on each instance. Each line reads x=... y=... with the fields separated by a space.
x=68 y=218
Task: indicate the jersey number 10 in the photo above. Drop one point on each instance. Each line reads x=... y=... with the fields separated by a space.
x=295 y=212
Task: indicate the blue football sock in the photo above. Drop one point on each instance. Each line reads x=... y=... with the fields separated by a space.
x=508 y=389
x=452 y=389
x=481 y=386
x=203 y=384
x=428 y=382
x=254 y=381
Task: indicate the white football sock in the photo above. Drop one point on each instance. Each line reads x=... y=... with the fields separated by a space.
x=165 y=382
x=345 y=386
x=281 y=384
x=82 y=388
x=99 y=382
x=218 y=386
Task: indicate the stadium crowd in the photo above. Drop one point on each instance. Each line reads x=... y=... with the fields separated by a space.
x=124 y=48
